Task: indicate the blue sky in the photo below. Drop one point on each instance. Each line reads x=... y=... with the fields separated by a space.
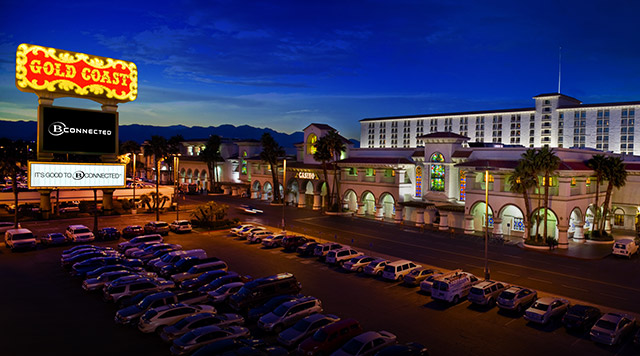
x=286 y=64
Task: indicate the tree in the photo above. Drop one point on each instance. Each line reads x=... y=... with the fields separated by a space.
x=211 y=156
x=133 y=148
x=336 y=146
x=597 y=163
x=209 y=212
x=323 y=155
x=13 y=157
x=521 y=181
x=548 y=163
x=271 y=151
x=173 y=148
x=531 y=165
x=158 y=147
x=616 y=174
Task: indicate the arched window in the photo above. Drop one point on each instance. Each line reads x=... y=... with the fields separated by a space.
x=437 y=172
x=244 y=163
x=311 y=144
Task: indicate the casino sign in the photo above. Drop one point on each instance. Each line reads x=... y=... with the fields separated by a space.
x=64 y=73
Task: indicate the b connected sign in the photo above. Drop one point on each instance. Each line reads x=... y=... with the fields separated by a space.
x=67 y=130
x=43 y=69
x=44 y=175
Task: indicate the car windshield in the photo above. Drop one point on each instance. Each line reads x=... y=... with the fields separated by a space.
x=391 y=269
x=162 y=224
x=352 y=347
x=301 y=326
x=183 y=223
x=56 y=235
x=320 y=335
x=82 y=231
x=280 y=310
x=146 y=303
x=222 y=290
x=415 y=272
x=540 y=306
x=606 y=324
x=477 y=291
x=24 y=236
x=507 y=295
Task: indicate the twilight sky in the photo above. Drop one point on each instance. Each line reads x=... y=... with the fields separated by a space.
x=286 y=64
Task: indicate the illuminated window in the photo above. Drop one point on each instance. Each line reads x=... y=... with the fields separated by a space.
x=437 y=172
x=588 y=181
x=311 y=144
x=618 y=219
x=573 y=182
x=353 y=171
x=370 y=172
x=463 y=186
x=389 y=173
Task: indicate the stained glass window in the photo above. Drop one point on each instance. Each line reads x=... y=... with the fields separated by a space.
x=437 y=172
x=311 y=144
x=463 y=186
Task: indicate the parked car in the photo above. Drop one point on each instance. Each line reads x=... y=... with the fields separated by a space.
x=108 y=233
x=625 y=247
x=329 y=338
x=136 y=241
x=184 y=264
x=230 y=277
x=198 y=269
x=417 y=275
x=70 y=261
x=199 y=337
x=131 y=313
x=516 y=298
x=396 y=270
x=245 y=233
x=366 y=344
x=190 y=323
x=69 y=207
x=110 y=268
x=149 y=250
x=125 y=288
x=452 y=288
x=322 y=250
x=611 y=328
x=179 y=226
x=80 y=269
x=289 y=313
x=222 y=293
x=486 y=292
x=307 y=248
x=270 y=305
x=581 y=317
x=257 y=236
x=175 y=256
x=19 y=239
x=376 y=267
x=132 y=231
x=96 y=283
x=157 y=318
x=273 y=240
x=158 y=254
x=357 y=264
x=291 y=243
x=52 y=239
x=341 y=256
x=408 y=349
x=79 y=233
x=79 y=247
x=156 y=227
x=304 y=328
x=237 y=229
x=544 y=309
x=201 y=280
x=263 y=289
x=8 y=225
x=427 y=283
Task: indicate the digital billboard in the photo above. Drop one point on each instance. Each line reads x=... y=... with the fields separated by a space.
x=66 y=130
x=65 y=73
x=54 y=175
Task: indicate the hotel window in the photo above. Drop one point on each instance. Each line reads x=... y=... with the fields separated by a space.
x=447 y=124
x=618 y=219
x=479 y=128
x=433 y=125
x=602 y=129
x=463 y=128
x=627 y=123
x=437 y=172
x=579 y=128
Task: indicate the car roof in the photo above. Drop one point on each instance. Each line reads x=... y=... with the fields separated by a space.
x=401 y=262
x=613 y=317
x=298 y=301
x=19 y=231
x=367 y=336
x=77 y=227
x=624 y=241
x=484 y=284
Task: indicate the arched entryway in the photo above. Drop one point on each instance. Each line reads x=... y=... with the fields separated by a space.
x=369 y=203
x=538 y=222
x=293 y=193
x=589 y=219
x=576 y=224
x=478 y=211
x=189 y=176
x=308 y=194
x=512 y=220
x=256 y=192
x=350 y=200
x=267 y=191
x=388 y=205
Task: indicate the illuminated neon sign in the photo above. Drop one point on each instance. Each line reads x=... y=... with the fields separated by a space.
x=43 y=69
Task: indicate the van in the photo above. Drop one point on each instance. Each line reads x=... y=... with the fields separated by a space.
x=329 y=338
x=259 y=291
x=174 y=256
x=486 y=292
x=321 y=250
x=199 y=269
x=396 y=270
x=452 y=287
x=625 y=247
x=288 y=313
x=16 y=239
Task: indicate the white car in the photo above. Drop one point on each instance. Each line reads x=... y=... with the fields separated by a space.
x=250 y=209
x=19 y=238
x=625 y=247
x=236 y=230
x=341 y=256
x=190 y=323
x=396 y=270
x=357 y=264
x=611 y=328
x=136 y=241
x=257 y=236
x=79 y=233
x=246 y=233
x=224 y=291
x=366 y=344
x=546 y=308
x=376 y=267
x=288 y=313
x=425 y=286
x=157 y=318
x=273 y=240
x=305 y=328
x=178 y=226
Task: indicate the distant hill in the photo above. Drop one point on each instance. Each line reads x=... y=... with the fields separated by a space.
x=27 y=130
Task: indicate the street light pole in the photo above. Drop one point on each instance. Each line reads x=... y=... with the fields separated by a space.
x=284 y=191
x=133 y=181
x=486 y=225
x=176 y=175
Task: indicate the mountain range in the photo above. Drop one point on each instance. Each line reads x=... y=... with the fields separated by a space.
x=27 y=130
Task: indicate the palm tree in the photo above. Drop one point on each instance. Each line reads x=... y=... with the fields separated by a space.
x=271 y=151
x=597 y=163
x=336 y=146
x=549 y=163
x=158 y=147
x=13 y=156
x=211 y=156
x=530 y=163
x=323 y=154
x=173 y=148
x=616 y=174
x=521 y=181
x=133 y=148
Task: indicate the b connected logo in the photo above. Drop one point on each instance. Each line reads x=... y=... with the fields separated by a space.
x=59 y=128
x=78 y=175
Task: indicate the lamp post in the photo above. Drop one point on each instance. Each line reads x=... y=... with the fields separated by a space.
x=284 y=191
x=176 y=175
x=133 y=182
x=486 y=225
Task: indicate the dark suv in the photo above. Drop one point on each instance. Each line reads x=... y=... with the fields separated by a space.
x=291 y=243
x=259 y=291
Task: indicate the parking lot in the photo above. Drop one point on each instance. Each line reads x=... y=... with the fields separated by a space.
x=45 y=310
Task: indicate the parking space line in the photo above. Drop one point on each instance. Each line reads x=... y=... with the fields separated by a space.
x=509 y=274
x=456 y=262
x=393 y=285
x=474 y=266
x=576 y=288
x=512 y=256
x=613 y=296
x=511 y=321
x=539 y=280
